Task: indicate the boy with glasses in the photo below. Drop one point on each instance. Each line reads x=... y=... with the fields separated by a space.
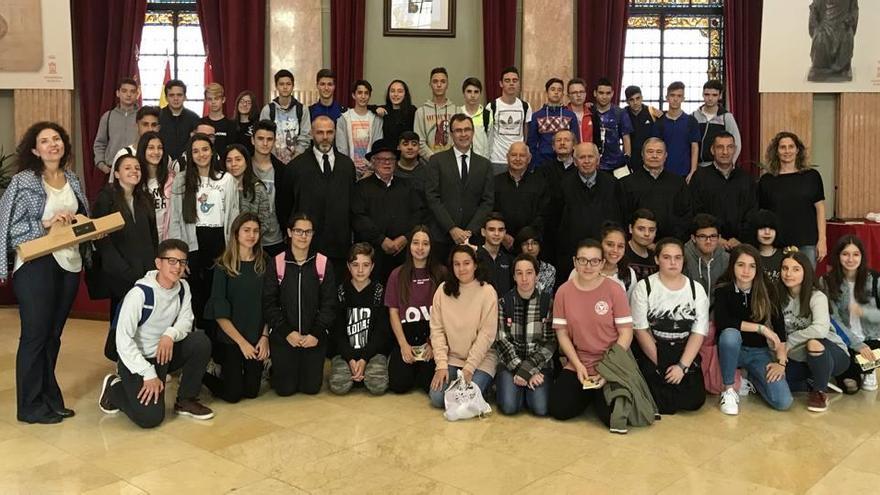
x=155 y=336
x=705 y=259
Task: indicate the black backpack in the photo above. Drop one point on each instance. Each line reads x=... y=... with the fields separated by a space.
x=491 y=110
x=299 y=112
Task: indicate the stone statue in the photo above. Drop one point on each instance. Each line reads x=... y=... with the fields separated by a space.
x=833 y=29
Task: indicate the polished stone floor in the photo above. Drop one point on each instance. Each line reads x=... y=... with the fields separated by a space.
x=397 y=444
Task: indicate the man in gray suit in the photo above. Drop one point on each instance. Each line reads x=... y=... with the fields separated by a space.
x=459 y=190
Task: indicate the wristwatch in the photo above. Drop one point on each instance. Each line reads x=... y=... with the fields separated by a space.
x=683 y=367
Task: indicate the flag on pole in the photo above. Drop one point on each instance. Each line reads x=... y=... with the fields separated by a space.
x=163 y=102
x=137 y=74
x=209 y=78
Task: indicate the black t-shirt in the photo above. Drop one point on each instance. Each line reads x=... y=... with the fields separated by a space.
x=225 y=133
x=772 y=265
x=792 y=197
x=643 y=128
x=642 y=266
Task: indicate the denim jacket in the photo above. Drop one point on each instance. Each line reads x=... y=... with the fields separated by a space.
x=21 y=210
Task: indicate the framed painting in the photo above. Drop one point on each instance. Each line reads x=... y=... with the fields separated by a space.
x=432 y=18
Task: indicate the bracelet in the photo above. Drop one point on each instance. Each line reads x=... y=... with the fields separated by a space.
x=760 y=330
x=264 y=335
x=683 y=367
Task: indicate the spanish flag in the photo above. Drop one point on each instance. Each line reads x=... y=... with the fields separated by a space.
x=163 y=102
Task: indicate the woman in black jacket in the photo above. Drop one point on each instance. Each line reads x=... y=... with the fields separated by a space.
x=299 y=292
x=127 y=254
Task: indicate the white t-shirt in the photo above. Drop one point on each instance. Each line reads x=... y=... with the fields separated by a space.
x=360 y=138
x=667 y=312
x=160 y=204
x=210 y=200
x=507 y=127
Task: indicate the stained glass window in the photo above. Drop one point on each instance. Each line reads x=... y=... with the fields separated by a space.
x=172 y=34
x=673 y=40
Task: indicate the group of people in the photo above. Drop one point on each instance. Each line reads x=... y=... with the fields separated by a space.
x=413 y=246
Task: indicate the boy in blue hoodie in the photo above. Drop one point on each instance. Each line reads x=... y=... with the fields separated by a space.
x=552 y=117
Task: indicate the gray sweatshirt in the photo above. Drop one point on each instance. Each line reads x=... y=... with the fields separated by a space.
x=428 y=117
x=136 y=344
x=800 y=329
x=703 y=271
x=116 y=130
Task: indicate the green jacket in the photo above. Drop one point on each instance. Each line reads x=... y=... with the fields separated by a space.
x=626 y=390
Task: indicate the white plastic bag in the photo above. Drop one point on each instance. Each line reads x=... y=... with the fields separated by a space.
x=464 y=401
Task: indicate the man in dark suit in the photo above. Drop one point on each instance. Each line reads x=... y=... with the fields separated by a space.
x=320 y=183
x=459 y=190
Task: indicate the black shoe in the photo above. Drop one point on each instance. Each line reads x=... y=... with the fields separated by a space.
x=64 y=412
x=47 y=419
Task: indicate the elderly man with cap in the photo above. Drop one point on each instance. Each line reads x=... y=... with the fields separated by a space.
x=385 y=208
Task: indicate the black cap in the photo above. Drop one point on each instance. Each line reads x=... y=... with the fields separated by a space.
x=409 y=136
x=380 y=146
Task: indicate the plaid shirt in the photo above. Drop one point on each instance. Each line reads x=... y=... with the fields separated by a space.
x=526 y=340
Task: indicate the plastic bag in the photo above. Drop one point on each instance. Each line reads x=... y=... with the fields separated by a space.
x=464 y=401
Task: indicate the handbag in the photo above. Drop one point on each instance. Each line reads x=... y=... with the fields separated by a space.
x=464 y=401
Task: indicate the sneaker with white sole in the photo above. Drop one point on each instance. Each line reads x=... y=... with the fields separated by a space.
x=730 y=402
x=869 y=381
x=104 y=402
x=193 y=408
x=746 y=387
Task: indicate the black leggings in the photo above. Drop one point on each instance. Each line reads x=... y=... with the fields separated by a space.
x=239 y=377
x=403 y=377
x=296 y=369
x=568 y=399
x=201 y=274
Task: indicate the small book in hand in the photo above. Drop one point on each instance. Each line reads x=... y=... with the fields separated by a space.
x=869 y=365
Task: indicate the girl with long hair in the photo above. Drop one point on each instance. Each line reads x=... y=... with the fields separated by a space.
x=236 y=304
x=464 y=323
x=246 y=115
x=616 y=266
x=400 y=113
x=409 y=297
x=752 y=332
x=816 y=353
x=851 y=287
x=154 y=163
x=254 y=196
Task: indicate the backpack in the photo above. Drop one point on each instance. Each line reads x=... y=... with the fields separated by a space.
x=693 y=288
x=490 y=110
x=146 y=311
x=543 y=305
x=281 y=266
x=299 y=112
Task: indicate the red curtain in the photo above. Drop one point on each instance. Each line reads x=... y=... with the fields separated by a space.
x=742 y=55
x=347 y=19
x=499 y=42
x=233 y=33
x=601 y=41
x=106 y=34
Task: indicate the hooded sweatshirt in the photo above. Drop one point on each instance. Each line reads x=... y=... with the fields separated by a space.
x=136 y=344
x=355 y=135
x=709 y=128
x=430 y=118
x=293 y=134
x=116 y=130
x=705 y=272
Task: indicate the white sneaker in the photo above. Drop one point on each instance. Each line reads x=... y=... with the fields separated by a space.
x=730 y=402
x=869 y=381
x=746 y=387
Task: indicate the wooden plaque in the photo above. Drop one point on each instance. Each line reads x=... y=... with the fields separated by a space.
x=62 y=236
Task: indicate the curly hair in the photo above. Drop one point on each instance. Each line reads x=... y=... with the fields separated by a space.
x=452 y=286
x=27 y=160
x=772 y=154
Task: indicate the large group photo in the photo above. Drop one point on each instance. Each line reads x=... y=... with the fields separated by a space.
x=431 y=246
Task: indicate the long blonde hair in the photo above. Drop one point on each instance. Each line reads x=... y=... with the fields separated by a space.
x=230 y=260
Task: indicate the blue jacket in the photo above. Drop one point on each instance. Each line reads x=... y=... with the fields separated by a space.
x=543 y=126
x=21 y=210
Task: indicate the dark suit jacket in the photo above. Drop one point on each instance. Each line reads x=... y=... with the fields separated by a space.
x=303 y=188
x=453 y=204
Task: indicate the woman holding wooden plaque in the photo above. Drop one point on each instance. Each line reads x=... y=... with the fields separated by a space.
x=42 y=194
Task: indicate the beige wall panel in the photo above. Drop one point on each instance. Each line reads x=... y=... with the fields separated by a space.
x=34 y=105
x=786 y=112
x=858 y=176
x=547 y=46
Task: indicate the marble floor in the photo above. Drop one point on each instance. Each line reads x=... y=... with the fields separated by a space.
x=397 y=444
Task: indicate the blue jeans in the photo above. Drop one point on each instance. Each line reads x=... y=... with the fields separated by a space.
x=511 y=398
x=732 y=355
x=481 y=379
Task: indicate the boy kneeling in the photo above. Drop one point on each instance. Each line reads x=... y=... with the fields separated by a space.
x=154 y=336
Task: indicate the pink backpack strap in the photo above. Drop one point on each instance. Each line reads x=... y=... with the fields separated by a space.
x=320 y=266
x=280 y=266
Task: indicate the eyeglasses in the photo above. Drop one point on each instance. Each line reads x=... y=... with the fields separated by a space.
x=582 y=261
x=705 y=237
x=174 y=261
x=303 y=232
x=462 y=130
